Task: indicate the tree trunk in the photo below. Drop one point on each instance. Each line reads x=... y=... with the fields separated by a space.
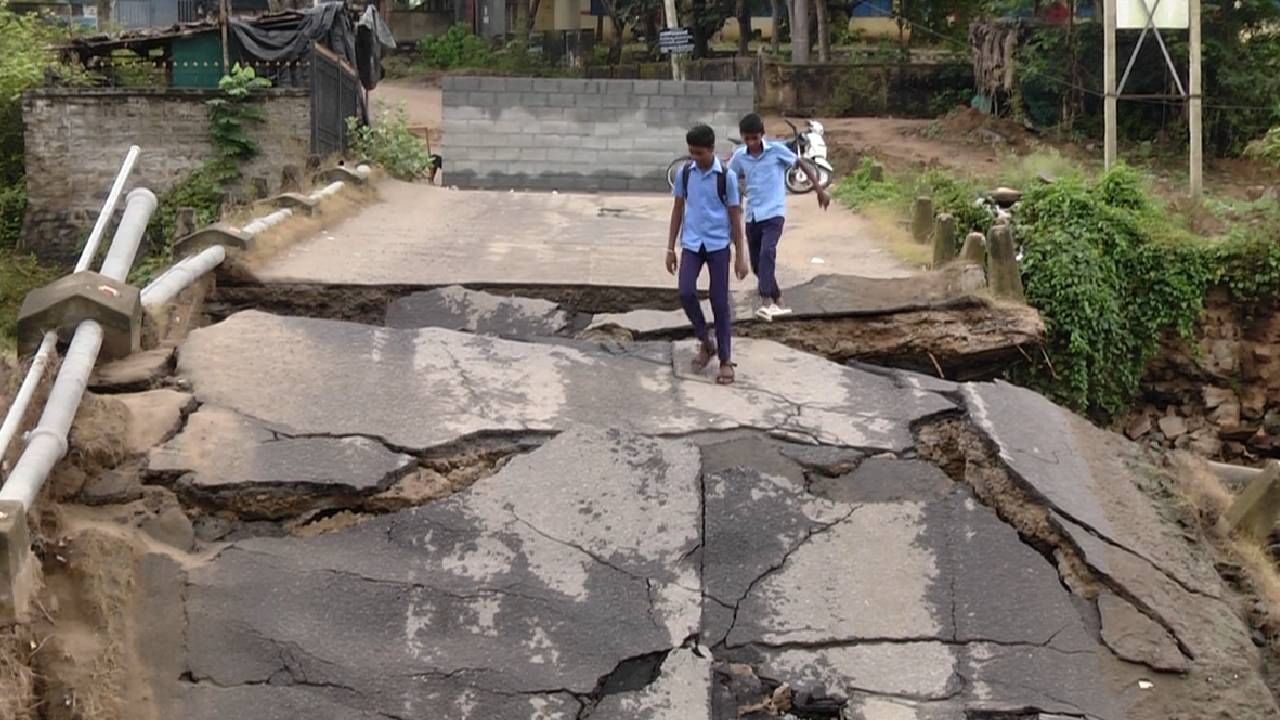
x=651 y=32
x=744 y=27
x=824 y=32
x=615 y=43
x=701 y=36
x=774 y=16
x=522 y=21
x=800 y=32
x=531 y=20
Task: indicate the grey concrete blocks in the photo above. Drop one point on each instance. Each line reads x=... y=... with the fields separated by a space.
x=72 y=299
x=579 y=134
x=17 y=566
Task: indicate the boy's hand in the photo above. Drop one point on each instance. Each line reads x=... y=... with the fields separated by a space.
x=672 y=263
x=824 y=199
x=740 y=267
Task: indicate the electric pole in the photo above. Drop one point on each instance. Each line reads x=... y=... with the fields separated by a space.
x=1194 y=106
x=1109 y=83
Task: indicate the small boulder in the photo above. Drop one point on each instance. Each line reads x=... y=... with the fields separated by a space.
x=1173 y=426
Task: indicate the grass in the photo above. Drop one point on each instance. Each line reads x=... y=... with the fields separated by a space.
x=19 y=275
x=1209 y=499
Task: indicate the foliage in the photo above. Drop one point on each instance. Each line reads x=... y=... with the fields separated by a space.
x=228 y=114
x=389 y=142
x=456 y=48
x=858 y=190
x=19 y=275
x=129 y=70
x=1110 y=277
x=24 y=61
x=1266 y=147
x=957 y=196
x=204 y=189
x=13 y=203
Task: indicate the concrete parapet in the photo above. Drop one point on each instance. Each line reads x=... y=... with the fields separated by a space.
x=70 y=300
x=17 y=566
x=223 y=234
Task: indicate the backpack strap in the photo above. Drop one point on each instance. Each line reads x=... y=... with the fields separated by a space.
x=722 y=183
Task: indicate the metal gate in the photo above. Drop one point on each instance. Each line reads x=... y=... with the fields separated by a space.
x=335 y=96
x=134 y=13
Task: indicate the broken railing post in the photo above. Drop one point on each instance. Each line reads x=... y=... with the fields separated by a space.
x=16 y=569
x=922 y=219
x=1003 y=274
x=1255 y=511
x=876 y=172
x=944 y=240
x=975 y=249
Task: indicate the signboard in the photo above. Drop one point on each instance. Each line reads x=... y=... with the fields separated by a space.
x=1167 y=14
x=678 y=40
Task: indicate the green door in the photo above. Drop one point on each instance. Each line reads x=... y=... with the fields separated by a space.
x=197 y=61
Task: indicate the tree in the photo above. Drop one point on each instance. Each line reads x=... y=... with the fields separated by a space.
x=744 y=27
x=775 y=19
x=800 y=32
x=824 y=33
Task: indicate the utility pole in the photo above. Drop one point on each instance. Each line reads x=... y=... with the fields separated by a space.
x=224 y=17
x=673 y=23
x=800 y=32
x=1194 y=101
x=1109 y=83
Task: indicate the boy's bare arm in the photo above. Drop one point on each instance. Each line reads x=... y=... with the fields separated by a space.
x=677 y=219
x=740 y=267
x=805 y=167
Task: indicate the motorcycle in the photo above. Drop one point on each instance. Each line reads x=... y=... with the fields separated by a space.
x=811 y=147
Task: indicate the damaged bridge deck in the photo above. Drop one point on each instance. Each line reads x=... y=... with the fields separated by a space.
x=643 y=544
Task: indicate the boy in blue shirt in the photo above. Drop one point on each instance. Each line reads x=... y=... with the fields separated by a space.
x=706 y=216
x=764 y=164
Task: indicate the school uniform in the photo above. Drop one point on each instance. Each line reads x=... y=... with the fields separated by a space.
x=766 y=208
x=704 y=240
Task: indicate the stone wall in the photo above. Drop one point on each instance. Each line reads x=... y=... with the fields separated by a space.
x=1218 y=396
x=77 y=139
x=578 y=135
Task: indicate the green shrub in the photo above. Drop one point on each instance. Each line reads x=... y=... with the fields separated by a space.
x=957 y=196
x=19 y=275
x=456 y=48
x=1107 y=288
x=388 y=142
x=857 y=190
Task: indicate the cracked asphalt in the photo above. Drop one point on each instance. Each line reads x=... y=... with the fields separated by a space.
x=651 y=546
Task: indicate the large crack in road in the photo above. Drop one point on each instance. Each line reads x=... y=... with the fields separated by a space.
x=428 y=523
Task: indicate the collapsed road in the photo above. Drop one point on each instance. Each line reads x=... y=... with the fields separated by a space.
x=495 y=507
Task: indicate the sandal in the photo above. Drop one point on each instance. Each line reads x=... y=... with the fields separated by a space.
x=726 y=376
x=706 y=351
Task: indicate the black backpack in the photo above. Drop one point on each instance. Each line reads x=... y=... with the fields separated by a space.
x=722 y=185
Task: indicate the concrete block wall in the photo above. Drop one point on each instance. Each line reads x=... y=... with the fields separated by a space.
x=578 y=135
x=76 y=139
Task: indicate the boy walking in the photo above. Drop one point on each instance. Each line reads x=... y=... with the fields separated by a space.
x=764 y=164
x=706 y=217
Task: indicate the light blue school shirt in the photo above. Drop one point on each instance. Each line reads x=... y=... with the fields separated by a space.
x=766 y=179
x=706 y=219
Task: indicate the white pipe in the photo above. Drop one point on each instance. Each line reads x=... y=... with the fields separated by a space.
x=48 y=348
x=331 y=189
x=181 y=276
x=262 y=223
x=124 y=246
x=364 y=171
x=108 y=209
x=47 y=444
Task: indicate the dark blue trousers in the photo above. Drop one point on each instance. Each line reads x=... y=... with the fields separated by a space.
x=762 y=245
x=717 y=263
